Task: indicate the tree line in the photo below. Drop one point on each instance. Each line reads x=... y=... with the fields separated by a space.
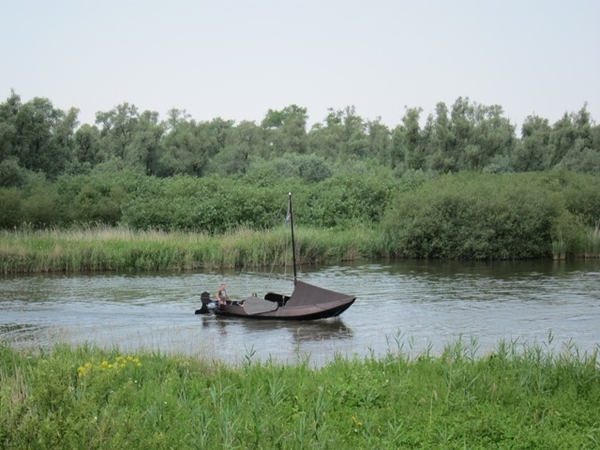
x=462 y=185
x=38 y=139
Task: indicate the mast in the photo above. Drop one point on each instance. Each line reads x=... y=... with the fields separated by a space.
x=291 y=213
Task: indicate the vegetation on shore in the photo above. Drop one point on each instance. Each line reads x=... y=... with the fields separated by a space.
x=513 y=216
x=117 y=249
x=515 y=397
x=187 y=223
x=461 y=185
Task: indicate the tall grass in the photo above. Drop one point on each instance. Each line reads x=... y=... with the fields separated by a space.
x=515 y=397
x=120 y=249
x=117 y=249
x=587 y=247
x=593 y=247
x=559 y=249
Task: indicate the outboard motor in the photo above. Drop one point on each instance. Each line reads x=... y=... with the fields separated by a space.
x=208 y=304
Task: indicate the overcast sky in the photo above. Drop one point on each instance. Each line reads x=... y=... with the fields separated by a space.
x=236 y=59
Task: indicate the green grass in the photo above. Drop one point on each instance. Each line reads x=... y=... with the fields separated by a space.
x=85 y=397
x=118 y=249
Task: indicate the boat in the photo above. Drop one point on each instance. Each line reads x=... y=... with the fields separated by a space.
x=306 y=302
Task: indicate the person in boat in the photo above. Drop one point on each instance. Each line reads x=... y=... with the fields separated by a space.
x=222 y=296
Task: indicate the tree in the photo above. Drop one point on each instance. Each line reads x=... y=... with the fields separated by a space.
x=461 y=126
x=562 y=139
x=581 y=158
x=379 y=141
x=285 y=131
x=412 y=142
x=476 y=137
x=313 y=168
x=147 y=143
x=341 y=136
x=354 y=140
x=247 y=139
x=43 y=136
x=440 y=141
x=179 y=147
x=117 y=127
x=232 y=160
x=494 y=136
x=87 y=145
x=188 y=147
x=324 y=137
x=131 y=137
x=583 y=153
x=8 y=130
x=63 y=140
x=532 y=150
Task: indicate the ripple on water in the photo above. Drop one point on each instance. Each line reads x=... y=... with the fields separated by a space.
x=409 y=305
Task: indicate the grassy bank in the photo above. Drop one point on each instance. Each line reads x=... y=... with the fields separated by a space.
x=117 y=249
x=90 y=398
x=122 y=249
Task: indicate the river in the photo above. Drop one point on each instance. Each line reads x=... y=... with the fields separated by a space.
x=412 y=306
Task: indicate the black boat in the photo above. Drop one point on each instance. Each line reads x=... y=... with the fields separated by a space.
x=307 y=301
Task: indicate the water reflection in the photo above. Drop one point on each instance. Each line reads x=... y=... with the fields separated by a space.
x=305 y=331
x=335 y=329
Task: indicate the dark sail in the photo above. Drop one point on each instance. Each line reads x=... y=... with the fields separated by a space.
x=308 y=295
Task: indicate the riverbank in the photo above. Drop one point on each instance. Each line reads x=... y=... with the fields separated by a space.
x=84 y=397
x=121 y=249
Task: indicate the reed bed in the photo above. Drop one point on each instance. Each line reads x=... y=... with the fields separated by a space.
x=121 y=249
x=593 y=243
x=515 y=397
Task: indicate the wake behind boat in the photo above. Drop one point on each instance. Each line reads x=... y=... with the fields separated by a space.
x=307 y=301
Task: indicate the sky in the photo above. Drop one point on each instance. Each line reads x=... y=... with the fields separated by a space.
x=236 y=59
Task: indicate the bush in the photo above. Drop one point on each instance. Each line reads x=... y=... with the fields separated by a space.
x=40 y=207
x=346 y=199
x=11 y=174
x=313 y=169
x=10 y=209
x=472 y=216
x=208 y=204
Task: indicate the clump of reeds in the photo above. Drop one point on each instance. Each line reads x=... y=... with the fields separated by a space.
x=119 y=249
x=559 y=249
x=586 y=247
x=593 y=247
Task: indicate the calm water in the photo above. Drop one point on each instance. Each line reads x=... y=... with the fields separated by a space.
x=409 y=305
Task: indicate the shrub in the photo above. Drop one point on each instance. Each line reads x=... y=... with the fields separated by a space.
x=11 y=174
x=345 y=199
x=10 y=207
x=472 y=216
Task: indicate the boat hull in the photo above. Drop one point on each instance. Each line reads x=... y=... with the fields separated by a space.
x=307 y=312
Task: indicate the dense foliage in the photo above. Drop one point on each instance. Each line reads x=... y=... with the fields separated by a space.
x=514 y=216
x=461 y=186
x=464 y=216
x=36 y=137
